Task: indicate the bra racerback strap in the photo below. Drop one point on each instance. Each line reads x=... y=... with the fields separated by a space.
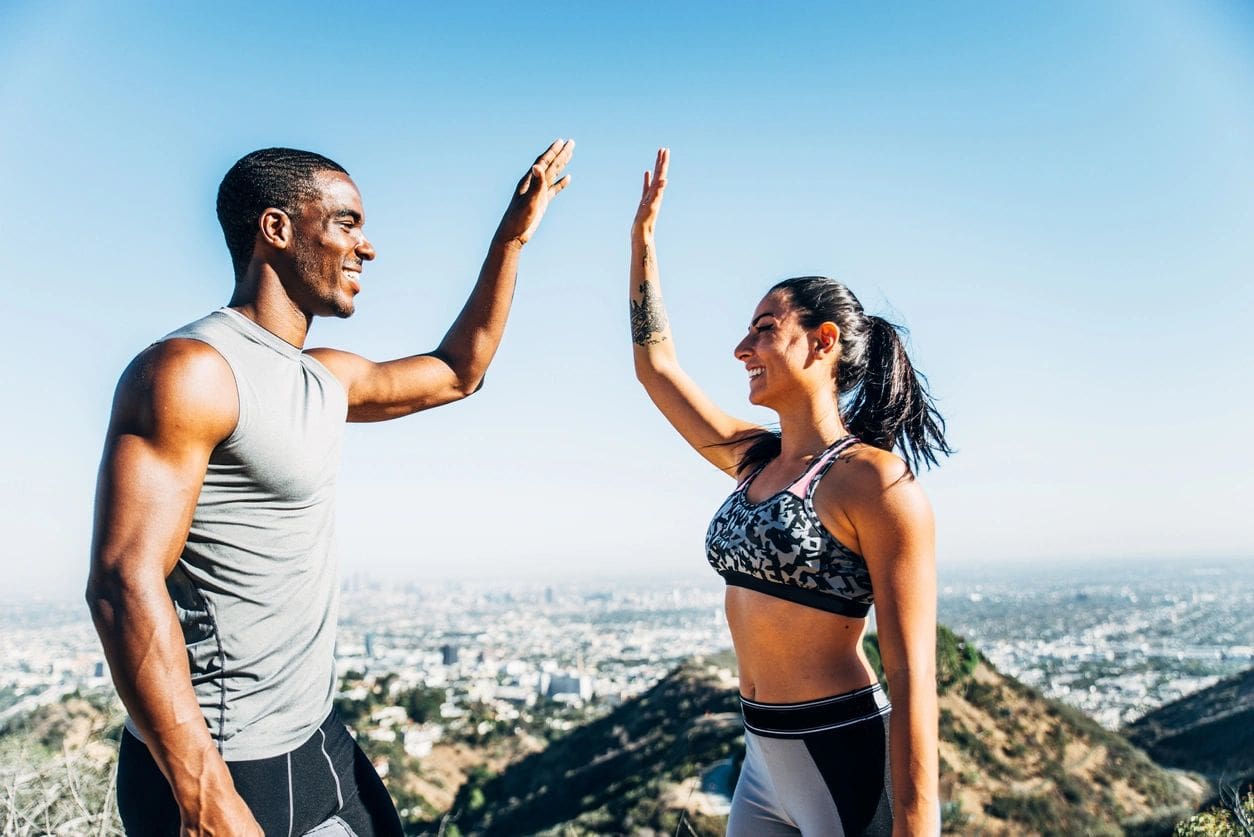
x=804 y=487
x=746 y=480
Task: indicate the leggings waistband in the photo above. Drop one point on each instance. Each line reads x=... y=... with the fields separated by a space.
x=789 y=720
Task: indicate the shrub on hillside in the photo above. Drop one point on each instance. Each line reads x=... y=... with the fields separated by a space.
x=1047 y=815
x=956 y=658
x=1233 y=818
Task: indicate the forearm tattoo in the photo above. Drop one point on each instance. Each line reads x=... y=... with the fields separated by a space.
x=647 y=261
x=648 y=316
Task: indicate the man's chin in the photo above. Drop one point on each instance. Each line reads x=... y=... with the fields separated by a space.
x=341 y=308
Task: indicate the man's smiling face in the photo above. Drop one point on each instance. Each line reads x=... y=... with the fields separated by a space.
x=330 y=247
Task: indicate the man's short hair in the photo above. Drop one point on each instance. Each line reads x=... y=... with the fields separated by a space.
x=282 y=178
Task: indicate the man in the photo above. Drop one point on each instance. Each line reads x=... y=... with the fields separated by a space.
x=213 y=584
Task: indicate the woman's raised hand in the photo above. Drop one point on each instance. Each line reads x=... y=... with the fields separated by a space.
x=651 y=196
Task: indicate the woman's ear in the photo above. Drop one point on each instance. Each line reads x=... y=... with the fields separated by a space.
x=827 y=339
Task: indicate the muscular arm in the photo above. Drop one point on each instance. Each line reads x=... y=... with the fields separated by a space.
x=896 y=536
x=450 y=372
x=174 y=403
x=710 y=431
x=455 y=369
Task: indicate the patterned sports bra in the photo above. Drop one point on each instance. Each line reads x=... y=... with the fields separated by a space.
x=780 y=547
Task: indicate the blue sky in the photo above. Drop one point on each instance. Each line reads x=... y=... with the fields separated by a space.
x=1055 y=198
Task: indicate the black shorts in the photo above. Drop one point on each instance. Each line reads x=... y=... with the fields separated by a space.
x=327 y=782
x=815 y=768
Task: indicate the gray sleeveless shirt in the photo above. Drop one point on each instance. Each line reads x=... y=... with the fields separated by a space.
x=256 y=587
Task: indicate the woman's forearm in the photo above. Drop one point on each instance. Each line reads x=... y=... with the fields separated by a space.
x=913 y=757
x=650 y=327
x=652 y=345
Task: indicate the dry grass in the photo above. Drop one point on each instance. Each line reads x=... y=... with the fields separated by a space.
x=70 y=793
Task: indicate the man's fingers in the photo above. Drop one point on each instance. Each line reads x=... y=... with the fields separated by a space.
x=559 y=185
x=663 y=163
x=536 y=175
x=549 y=153
x=559 y=162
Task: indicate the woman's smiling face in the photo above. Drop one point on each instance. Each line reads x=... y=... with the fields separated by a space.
x=779 y=353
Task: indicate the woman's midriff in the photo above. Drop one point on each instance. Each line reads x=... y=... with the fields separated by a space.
x=789 y=653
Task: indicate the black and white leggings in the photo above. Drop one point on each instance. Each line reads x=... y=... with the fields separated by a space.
x=325 y=787
x=815 y=768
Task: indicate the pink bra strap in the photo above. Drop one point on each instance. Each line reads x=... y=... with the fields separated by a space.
x=745 y=481
x=802 y=486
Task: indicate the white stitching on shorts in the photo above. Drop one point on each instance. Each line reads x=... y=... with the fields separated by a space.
x=811 y=703
x=291 y=803
x=797 y=732
x=339 y=797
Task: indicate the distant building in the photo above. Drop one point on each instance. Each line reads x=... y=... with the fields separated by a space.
x=419 y=742
x=516 y=694
x=567 y=685
x=449 y=654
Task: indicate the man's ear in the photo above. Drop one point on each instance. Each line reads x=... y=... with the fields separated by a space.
x=275 y=228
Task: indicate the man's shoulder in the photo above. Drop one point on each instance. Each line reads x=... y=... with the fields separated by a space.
x=178 y=381
x=177 y=357
x=184 y=359
x=202 y=328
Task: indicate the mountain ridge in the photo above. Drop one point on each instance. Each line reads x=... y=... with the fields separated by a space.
x=1210 y=731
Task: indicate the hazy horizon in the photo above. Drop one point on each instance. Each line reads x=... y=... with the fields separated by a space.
x=1076 y=570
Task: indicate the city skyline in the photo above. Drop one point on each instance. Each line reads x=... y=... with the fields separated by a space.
x=1112 y=644
x=1054 y=201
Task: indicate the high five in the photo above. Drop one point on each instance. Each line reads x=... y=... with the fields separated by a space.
x=824 y=521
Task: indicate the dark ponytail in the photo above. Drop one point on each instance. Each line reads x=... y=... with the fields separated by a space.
x=883 y=400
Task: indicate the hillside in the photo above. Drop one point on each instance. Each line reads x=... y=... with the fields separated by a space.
x=615 y=775
x=1211 y=731
x=57 y=768
x=1012 y=762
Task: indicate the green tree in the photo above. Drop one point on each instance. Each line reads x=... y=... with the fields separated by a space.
x=422 y=704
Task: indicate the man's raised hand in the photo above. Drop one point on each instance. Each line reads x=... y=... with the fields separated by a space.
x=536 y=188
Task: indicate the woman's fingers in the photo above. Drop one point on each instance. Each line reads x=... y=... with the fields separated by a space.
x=653 y=184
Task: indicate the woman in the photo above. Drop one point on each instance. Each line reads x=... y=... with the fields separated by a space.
x=825 y=519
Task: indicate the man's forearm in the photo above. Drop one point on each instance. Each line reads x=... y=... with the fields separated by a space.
x=143 y=643
x=472 y=341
